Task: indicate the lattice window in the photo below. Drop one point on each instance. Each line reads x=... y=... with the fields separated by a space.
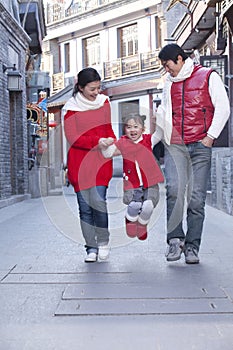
x=92 y=51
x=128 y=37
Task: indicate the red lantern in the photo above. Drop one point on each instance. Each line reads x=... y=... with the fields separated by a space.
x=52 y=124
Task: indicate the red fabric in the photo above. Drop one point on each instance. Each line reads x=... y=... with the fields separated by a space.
x=86 y=166
x=142 y=153
x=131 y=228
x=135 y=229
x=142 y=232
x=192 y=109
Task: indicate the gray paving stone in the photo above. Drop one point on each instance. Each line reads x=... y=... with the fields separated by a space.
x=51 y=278
x=139 y=291
x=142 y=306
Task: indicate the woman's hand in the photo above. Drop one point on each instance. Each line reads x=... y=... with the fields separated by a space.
x=105 y=142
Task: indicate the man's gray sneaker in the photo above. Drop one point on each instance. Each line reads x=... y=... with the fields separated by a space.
x=175 y=249
x=191 y=255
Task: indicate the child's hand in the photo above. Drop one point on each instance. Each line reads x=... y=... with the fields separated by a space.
x=153 y=124
x=110 y=141
x=153 y=119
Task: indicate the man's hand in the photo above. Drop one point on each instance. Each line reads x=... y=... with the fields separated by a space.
x=207 y=141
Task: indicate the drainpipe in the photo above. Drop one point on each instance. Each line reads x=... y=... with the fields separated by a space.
x=230 y=85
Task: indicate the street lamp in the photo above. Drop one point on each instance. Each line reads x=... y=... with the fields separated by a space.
x=13 y=78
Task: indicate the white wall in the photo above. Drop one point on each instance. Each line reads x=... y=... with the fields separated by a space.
x=144 y=35
x=112 y=43
x=104 y=45
x=79 y=55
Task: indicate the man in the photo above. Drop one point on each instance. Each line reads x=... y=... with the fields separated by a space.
x=192 y=114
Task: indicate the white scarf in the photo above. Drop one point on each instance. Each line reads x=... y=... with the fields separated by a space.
x=80 y=103
x=164 y=112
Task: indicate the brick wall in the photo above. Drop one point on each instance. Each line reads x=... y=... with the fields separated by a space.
x=221 y=195
x=13 y=119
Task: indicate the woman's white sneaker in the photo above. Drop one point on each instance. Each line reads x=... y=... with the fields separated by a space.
x=91 y=257
x=103 y=252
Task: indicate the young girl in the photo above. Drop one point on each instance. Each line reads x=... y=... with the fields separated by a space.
x=141 y=174
x=87 y=120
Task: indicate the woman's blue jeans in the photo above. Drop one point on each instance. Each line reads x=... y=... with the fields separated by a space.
x=187 y=170
x=93 y=217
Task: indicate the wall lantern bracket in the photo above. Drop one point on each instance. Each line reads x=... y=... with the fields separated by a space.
x=13 y=78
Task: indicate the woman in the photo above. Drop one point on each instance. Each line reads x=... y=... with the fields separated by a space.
x=87 y=120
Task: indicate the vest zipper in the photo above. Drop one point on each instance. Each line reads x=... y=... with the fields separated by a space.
x=182 y=130
x=204 y=111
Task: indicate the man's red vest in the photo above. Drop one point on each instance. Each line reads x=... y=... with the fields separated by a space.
x=192 y=109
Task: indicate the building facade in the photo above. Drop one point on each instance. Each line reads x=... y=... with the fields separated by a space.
x=13 y=123
x=22 y=30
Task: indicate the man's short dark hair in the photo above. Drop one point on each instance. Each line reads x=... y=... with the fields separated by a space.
x=171 y=52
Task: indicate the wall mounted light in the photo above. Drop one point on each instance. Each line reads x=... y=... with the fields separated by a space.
x=13 y=78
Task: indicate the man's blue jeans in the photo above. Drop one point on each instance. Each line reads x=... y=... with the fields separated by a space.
x=93 y=217
x=187 y=170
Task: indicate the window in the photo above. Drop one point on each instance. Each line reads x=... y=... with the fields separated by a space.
x=128 y=38
x=91 y=51
x=67 y=57
x=126 y=108
x=218 y=63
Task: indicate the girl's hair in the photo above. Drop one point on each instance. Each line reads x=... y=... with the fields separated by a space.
x=136 y=117
x=84 y=77
x=171 y=52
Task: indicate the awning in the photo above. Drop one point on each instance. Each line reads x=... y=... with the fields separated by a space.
x=30 y=21
x=229 y=17
x=196 y=26
x=60 y=98
x=131 y=87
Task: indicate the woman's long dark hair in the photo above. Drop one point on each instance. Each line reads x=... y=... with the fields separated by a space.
x=85 y=76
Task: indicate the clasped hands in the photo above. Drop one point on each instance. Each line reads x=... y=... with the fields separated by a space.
x=104 y=142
